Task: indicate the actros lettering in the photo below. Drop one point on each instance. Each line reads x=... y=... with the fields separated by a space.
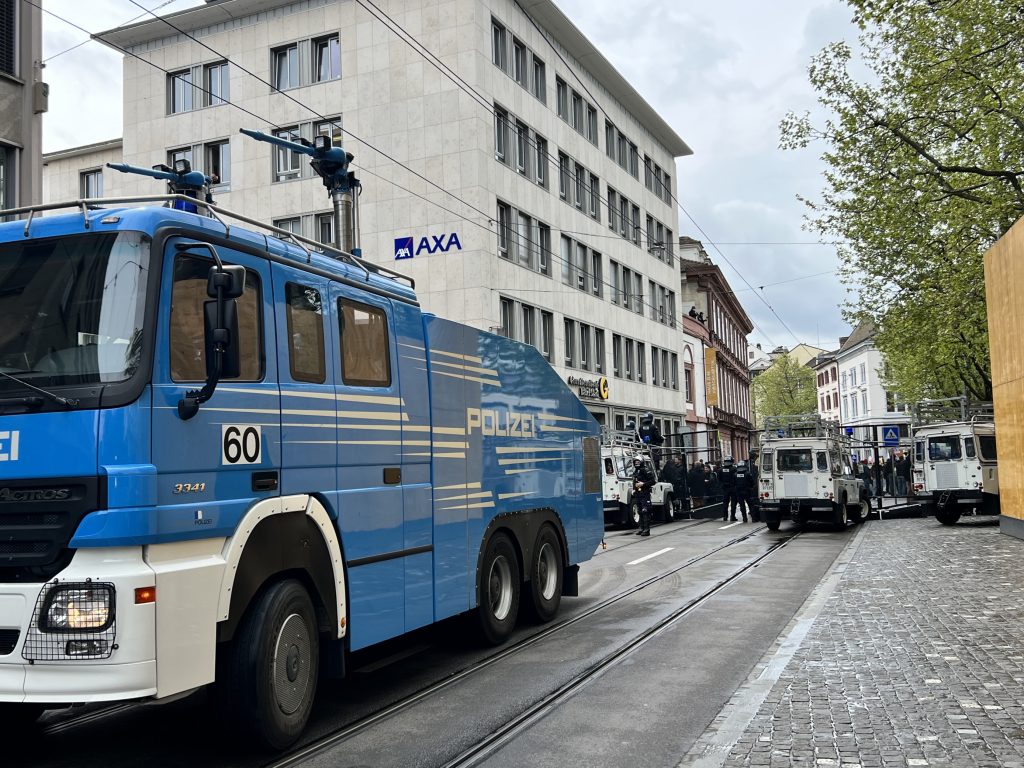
x=504 y=423
x=9 y=445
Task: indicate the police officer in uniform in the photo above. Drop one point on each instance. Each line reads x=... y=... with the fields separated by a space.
x=643 y=479
x=727 y=478
x=743 y=485
x=651 y=436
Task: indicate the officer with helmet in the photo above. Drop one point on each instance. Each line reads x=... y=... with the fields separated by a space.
x=651 y=436
x=727 y=477
x=643 y=479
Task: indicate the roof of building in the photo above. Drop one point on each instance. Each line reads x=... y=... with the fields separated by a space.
x=544 y=12
x=85 y=149
x=864 y=331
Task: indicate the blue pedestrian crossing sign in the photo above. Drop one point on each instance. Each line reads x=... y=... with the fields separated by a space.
x=891 y=435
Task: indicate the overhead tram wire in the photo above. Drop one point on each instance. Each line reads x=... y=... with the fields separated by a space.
x=553 y=256
x=674 y=198
x=305 y=106
x=479 y=98
x=76 y=46
x=260 y=118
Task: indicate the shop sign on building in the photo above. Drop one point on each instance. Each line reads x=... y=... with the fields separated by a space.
x=595 y=389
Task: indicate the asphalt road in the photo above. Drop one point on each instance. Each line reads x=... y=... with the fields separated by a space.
x=645 y=710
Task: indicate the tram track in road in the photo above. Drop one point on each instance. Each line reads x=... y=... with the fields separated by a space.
x=338 y=736
x=536 y=712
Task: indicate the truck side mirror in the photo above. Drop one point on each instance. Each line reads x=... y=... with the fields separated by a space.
x=227 y=335
x=231 y=277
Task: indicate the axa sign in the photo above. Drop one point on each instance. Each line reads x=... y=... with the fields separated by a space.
x=428 y=244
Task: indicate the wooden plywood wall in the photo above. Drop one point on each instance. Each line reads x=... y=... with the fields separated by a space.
x=1004 y=289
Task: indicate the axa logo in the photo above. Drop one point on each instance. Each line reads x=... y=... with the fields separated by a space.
x=429 y=244
x=9 y=440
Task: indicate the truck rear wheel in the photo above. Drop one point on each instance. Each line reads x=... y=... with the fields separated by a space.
x=947 y=514
x=840 y=516
x=546 y=575
x=272 y=666
x=498 y=587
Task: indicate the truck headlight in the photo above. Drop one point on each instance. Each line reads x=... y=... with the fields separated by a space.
x=78 y=608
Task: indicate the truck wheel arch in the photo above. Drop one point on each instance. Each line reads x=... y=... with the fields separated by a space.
x=290 y=535
x=523 y=528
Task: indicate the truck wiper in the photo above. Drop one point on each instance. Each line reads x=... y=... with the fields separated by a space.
x=65 y=401
x=30 y=401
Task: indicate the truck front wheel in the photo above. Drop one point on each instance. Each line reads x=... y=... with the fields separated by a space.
x=839 y=516
x=272 y=667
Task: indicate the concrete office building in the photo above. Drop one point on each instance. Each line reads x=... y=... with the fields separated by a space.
x=23 y=100
x=552 y=219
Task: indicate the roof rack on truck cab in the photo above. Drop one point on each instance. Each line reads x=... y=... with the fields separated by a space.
x=950 y=410
x=86 y=205
x=799 y=425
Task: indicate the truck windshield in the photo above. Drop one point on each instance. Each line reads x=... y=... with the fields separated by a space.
x=794 y=460
x=944 y=448
x=71 y=308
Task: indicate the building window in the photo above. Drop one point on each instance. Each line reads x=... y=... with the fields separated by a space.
x=667 y=181
x=863 y=375
x=286 y=162
x=634 y=161
x=522 y=144
x=584 y=347
x=636 y=225
x=544 y=249
x=501 y=134
x=519 y=62
x=688 y=382
x=7 y=197
x=864 y=403
x=591 y=133
x=325 y=228
x=504 y=216
x=570 y=343
x=598 y=350
x=609 y=139
x=566 y=256
x=613 y=209
x=641 y=362
x=629 y=359
x=8 y=36
x=90 y=183
x=562 y=98
x=547 y=334
x=286 y=66
x=595 y=197
x=655 y=365
x=596 y=278
x=529 y=325
x=499 y=46
x=292 y=224
x=215 y=84
x=180 y=91
x=577 y=111
x=217 y=161
x=580 y=268
x=581 y=187
x=542 y=161
x=539 y=80
x=563 y=176
x=617 y=355
x=674 y=371
x=326 y=59
x=507 y=318
x=524 y=244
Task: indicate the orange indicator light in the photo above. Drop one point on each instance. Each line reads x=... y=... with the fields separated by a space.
x=145 y=595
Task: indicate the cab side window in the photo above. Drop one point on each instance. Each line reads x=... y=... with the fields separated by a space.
x=969 y=447
x=365 y=352
x=822 y=459
x=304 y=311
x=188 y=348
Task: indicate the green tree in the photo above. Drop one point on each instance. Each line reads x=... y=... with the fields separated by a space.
x=785 y=389
x=925 y=154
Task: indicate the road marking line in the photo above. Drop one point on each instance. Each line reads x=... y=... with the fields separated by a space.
x=653 y=554
x=730 y=525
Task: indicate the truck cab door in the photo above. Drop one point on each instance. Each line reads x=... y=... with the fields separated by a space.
x=213 y=467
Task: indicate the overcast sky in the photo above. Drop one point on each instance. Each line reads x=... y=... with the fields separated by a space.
x=722 y=73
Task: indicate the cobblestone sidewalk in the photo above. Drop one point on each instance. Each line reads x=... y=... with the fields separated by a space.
x=916 y=659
